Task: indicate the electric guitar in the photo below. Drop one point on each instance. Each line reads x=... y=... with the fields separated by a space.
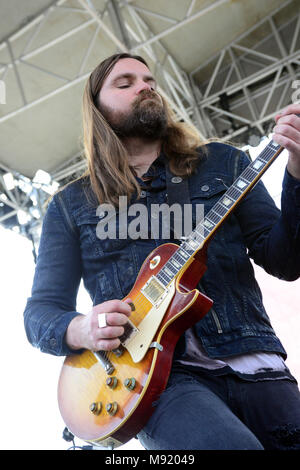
x=105 y=398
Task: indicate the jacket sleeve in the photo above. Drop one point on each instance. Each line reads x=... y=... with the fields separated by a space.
x=272 y=236
x=52 y=304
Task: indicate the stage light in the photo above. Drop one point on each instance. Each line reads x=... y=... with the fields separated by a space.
x=50 y=189
x=42 y=177
x=9 y=181
x=23 y=217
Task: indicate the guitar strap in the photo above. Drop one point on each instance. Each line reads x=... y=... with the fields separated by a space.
x=178 y=193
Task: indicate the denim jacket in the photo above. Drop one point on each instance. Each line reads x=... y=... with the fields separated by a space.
x=237 y=323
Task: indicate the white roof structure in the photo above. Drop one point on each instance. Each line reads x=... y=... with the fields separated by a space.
x=227 y=66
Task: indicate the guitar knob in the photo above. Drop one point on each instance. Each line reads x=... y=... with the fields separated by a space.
x=96 y=407
x=112 y=408
x=111 y=382
x=130 y=383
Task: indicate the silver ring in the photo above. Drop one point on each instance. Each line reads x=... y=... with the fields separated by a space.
x=102 y=320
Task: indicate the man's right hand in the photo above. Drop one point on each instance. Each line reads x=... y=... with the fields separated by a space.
x=84 y=331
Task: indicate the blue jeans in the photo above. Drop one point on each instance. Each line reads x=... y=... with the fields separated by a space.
x=202 y=411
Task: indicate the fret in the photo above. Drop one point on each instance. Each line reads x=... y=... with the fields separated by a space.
x=219 y=209
x=241 y=183
x=273 y=145
x=184 y=252
x=192 y=244
x=179 y=258
x=167 y=278
x=188 y=249
x=206 y=232
x=234 y=192
x=163 y=278
x=175 y=263
x=257 y=164
x=208 y=222
x=198 y=234
x=250 y=174
x=160 y=276
x=214 y=215
x=171 y=270
x=264 y=160
x=226 y=201
x=267 y=154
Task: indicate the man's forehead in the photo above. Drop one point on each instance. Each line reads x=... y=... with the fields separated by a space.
x=128 y=66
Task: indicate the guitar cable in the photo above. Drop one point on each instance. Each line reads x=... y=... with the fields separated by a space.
x=69 y=437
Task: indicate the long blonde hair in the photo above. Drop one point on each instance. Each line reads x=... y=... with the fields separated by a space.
x=108 y=170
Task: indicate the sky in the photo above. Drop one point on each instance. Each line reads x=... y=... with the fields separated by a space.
x=30 y=417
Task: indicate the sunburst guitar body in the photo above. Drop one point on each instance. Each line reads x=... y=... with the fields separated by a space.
x=106 y=398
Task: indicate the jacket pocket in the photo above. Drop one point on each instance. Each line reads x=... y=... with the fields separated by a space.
x=102 y=230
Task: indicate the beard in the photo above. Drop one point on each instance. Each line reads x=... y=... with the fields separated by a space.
x=147 y=118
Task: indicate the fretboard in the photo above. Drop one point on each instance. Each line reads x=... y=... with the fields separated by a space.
x=218 y=213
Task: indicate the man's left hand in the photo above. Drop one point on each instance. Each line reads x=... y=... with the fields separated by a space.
x=287 y=134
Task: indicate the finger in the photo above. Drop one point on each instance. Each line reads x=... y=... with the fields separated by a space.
x=116 y=319
x=109 y=332
x=130 y=303
x=287 y=143
x=113 y=306
x=288 y=132
x=291 y=109
x=106 y=344
x=290 y=120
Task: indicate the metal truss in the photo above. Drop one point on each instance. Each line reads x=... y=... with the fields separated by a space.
x=175 y=83
x=232 y=96
x=22 y=204
x=248 y=86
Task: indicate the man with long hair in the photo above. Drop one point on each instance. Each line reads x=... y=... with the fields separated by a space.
x=229 y=387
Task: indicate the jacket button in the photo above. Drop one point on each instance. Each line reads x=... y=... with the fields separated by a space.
x=52 y=342
x=143 y=194
x=176 y=179
x=205 y=187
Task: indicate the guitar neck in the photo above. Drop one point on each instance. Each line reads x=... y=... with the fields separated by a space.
x=218 y=213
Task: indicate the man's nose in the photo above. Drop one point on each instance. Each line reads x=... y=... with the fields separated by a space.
x=141 y=86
